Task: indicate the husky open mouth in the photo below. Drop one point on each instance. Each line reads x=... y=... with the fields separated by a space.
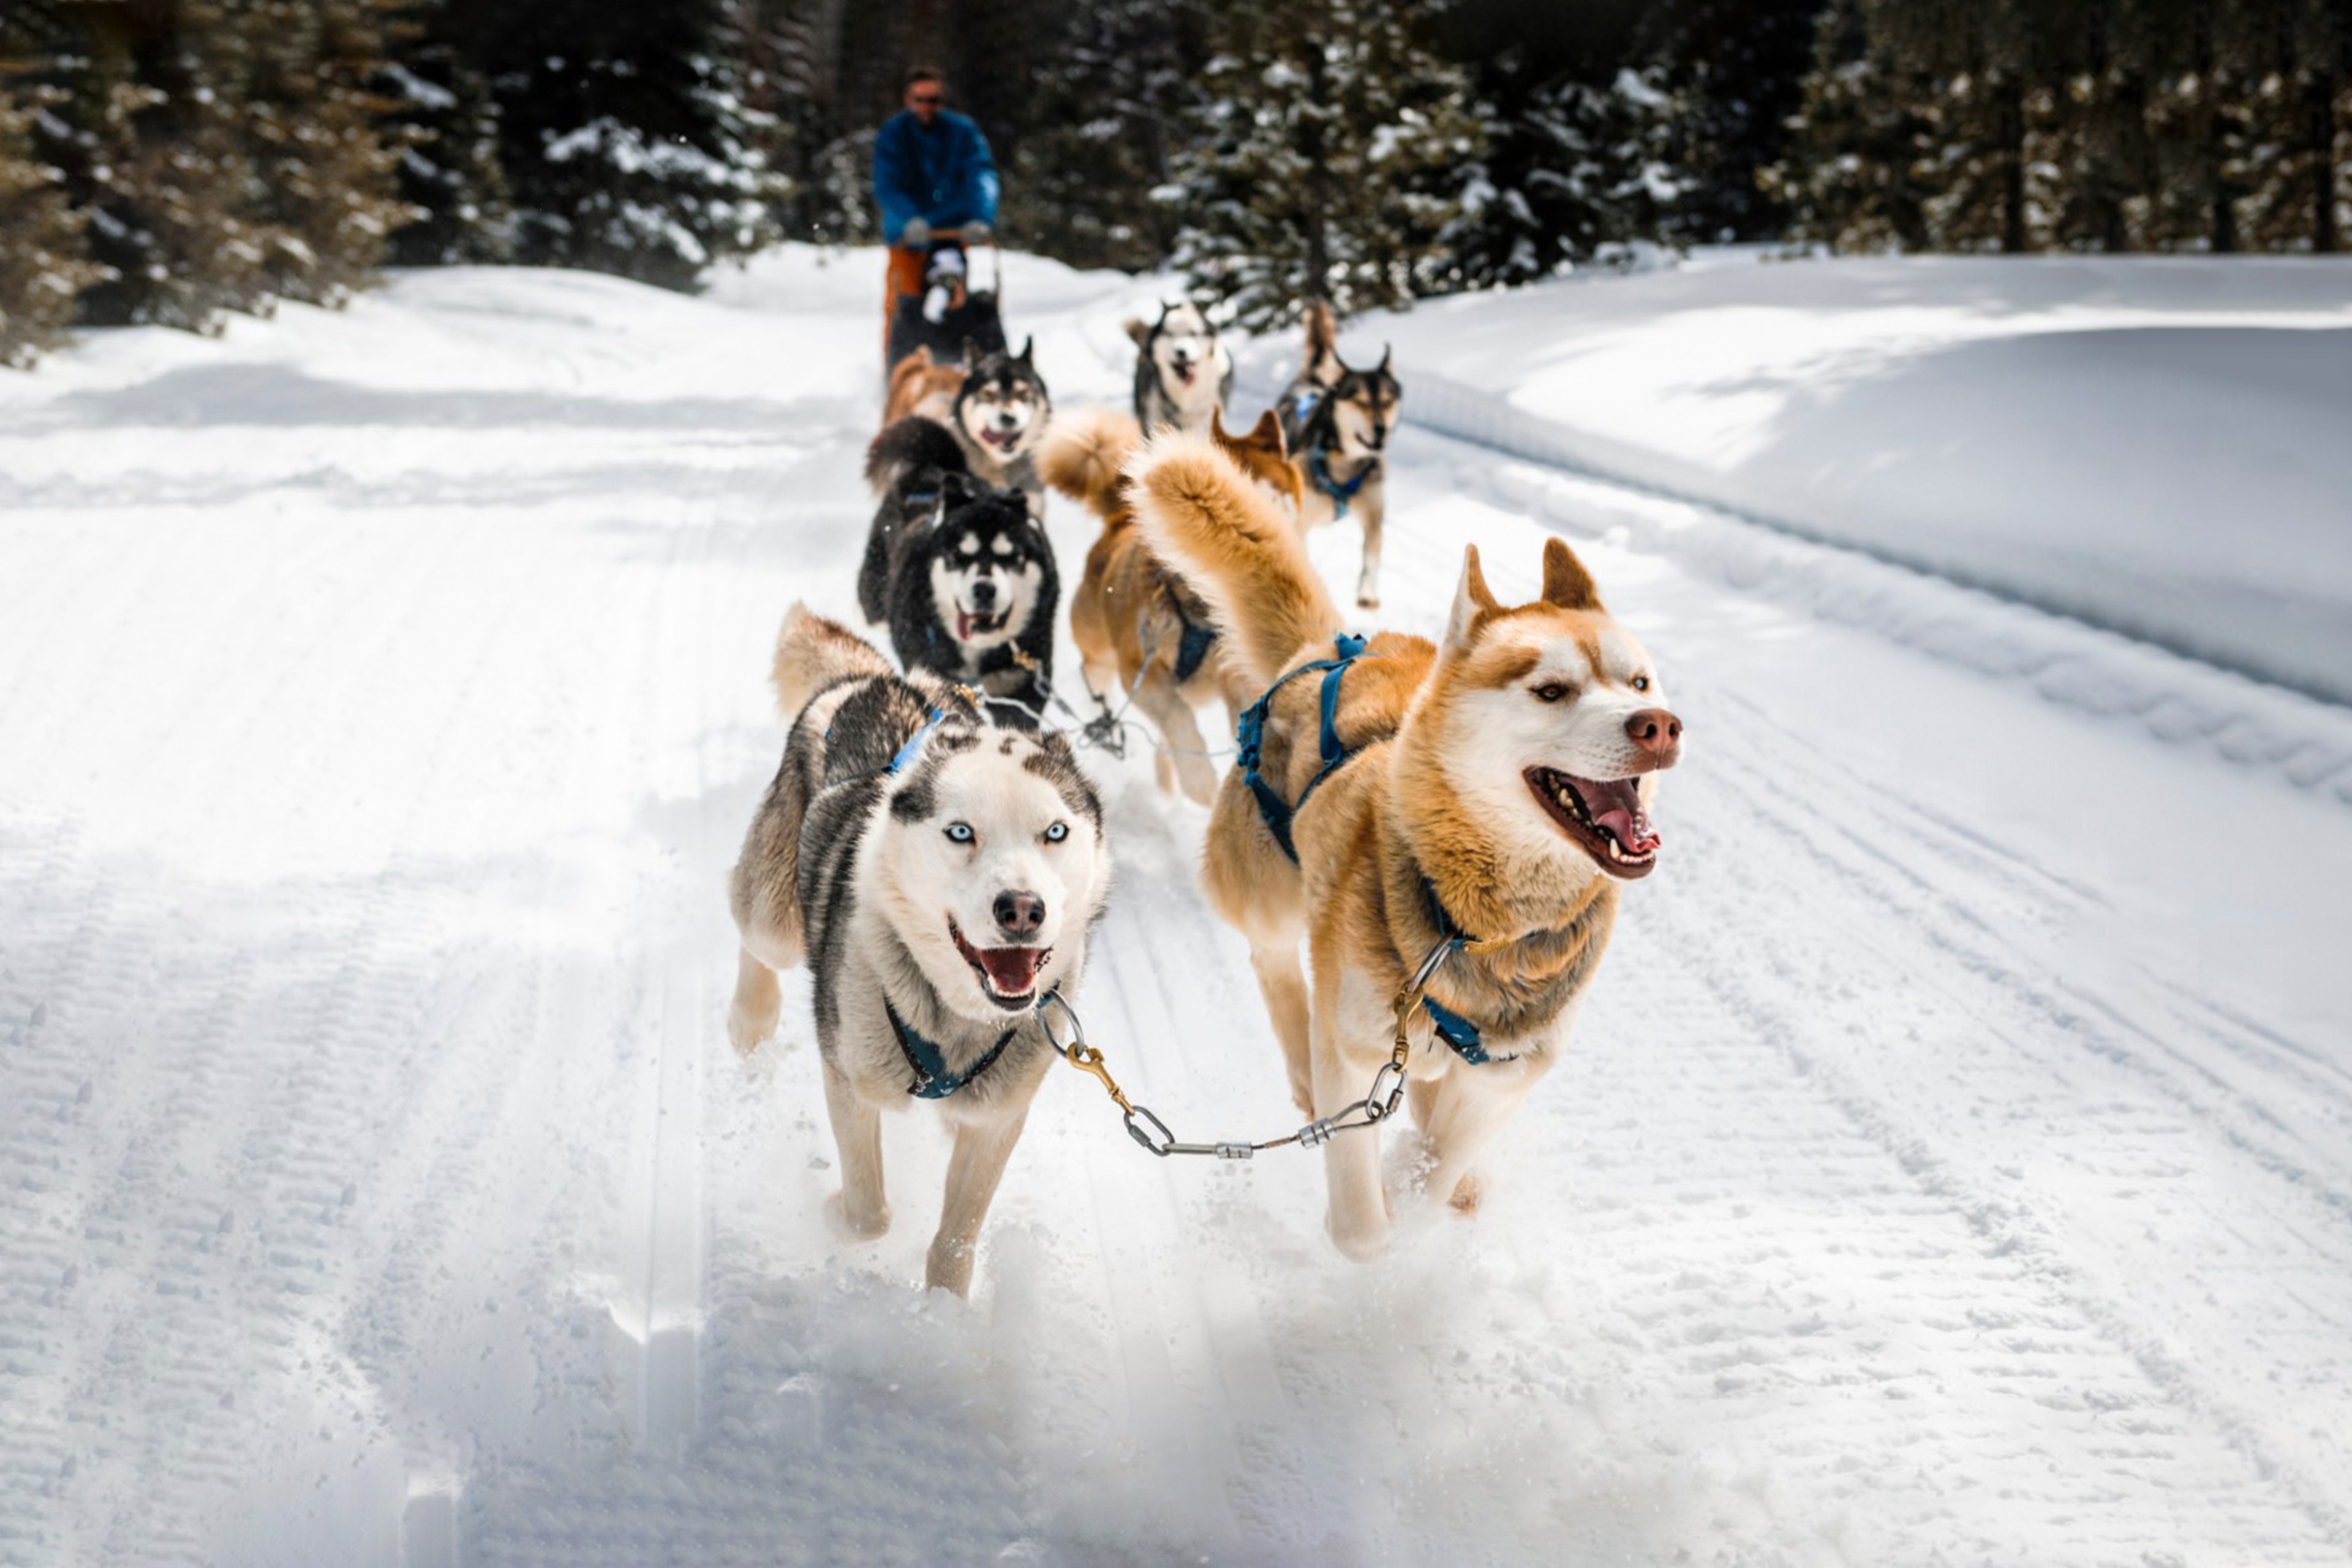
x=1603 y=816
x=971 y=624
x=1007 y=974
x=1002 y=440
x=1185 y=370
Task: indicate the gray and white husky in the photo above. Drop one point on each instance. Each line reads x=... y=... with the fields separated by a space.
x=1183 y=371
x=941 y=877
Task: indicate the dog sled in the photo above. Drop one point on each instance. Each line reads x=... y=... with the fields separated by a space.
x=936 y=302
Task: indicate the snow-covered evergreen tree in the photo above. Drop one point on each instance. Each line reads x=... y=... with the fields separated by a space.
x=1853 y=178
x=444 y=124
x=627 y=142
x=2297 y=169
x=1570 y=170
x=43 y=262
x=1335 y=153
x=1121 y=85
x=1734 y=72
x=323 y=188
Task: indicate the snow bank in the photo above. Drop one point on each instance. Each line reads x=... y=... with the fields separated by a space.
x=2152 y=445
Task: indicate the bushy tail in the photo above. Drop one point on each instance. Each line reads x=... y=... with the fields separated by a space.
x=912 y=442
x=1233 y=545
x=813 y=653
x=1322 y=361
x=913 y=367
x=1085 y=451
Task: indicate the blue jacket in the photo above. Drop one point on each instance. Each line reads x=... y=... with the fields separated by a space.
x=944 y=175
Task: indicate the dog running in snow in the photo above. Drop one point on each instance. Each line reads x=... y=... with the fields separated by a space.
x=1139 y=629
x=998 y=412
x=1183 y=371
x=941 y=875
x=959 y=570
x=1492 y=791
x=1338 y=422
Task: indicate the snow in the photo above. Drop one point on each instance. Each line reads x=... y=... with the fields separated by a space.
x=2154 y=445
x=1954 y=1164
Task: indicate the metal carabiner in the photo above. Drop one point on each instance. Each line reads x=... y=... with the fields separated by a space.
x=1166 y=1140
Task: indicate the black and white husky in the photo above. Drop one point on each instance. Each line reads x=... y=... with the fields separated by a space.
x=961 y=572
x=999 y=415
x=1335 y=421
x=941 y=875
x=1183 y=371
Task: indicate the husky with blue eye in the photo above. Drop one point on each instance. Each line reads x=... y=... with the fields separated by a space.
x=941 y=876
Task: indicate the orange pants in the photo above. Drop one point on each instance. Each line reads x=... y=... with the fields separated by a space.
x=904 y=276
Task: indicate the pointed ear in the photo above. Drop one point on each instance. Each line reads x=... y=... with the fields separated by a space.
x=1217 y=431
x=1027 y=345
x=1472 y=598
x=971 y=352
x=1566 y=582
x=1267 y=433
x=1381 y=369
x=1138 y=331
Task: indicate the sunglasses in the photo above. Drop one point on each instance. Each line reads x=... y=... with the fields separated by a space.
x=928 y=99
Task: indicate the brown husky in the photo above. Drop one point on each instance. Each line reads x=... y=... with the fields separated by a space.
x=918 y=384
x=1139 y=629
x=1487 y=795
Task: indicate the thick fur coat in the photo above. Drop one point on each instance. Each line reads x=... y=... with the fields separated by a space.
x=1496 y=786
x=939 y=876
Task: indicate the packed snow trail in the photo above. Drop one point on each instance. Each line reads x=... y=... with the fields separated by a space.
x=1955 y=1163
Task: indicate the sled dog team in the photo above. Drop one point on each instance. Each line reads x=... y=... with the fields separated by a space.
x=936 y=854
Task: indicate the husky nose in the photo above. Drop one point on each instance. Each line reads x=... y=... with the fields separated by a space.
x=1020 y=915
x=1659 y=734
x=983 y=592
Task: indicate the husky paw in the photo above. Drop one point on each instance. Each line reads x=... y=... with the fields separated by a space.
x=1467 y=1192
x=947 y=1266
x=745 y=1033
x=1368 y=599
x=856 y=1227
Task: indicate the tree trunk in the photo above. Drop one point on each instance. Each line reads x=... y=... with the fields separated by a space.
x=2013 y=173
x=2323 y=163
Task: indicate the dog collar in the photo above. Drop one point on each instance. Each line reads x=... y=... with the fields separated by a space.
x=1459 y=1032
x=933 y=1078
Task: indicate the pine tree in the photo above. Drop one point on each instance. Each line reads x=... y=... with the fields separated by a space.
x=1570 y=171
x=1120 y=84
x=1334 y=154
x=1735 y=71
x=2298 y=166
x=1853 y=178
x=443 y=123
x=43 y=263
x=628 y=141
x=323 y=183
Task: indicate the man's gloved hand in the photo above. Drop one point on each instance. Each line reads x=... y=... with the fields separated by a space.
x=978 y=233
x=917 y=233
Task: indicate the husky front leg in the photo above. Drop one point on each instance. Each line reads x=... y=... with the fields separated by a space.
x=1357 y=1217
x=981 y=1149
x=1471 y=1105
x=858 y=1210
x=1373 y=508
x=759 y=1001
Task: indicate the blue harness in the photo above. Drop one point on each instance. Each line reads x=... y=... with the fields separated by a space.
x=1249 y=735
x=1318 y=463
x=933 y=1078
x=1192 y=645
x=1456 y=1031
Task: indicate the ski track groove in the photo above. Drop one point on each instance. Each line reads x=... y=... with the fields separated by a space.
x=1760 y=1267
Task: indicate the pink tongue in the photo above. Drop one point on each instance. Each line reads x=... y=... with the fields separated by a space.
x=1632 y=829
x=1013 y=970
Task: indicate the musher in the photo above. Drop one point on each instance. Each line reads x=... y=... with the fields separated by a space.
x=934 y=174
